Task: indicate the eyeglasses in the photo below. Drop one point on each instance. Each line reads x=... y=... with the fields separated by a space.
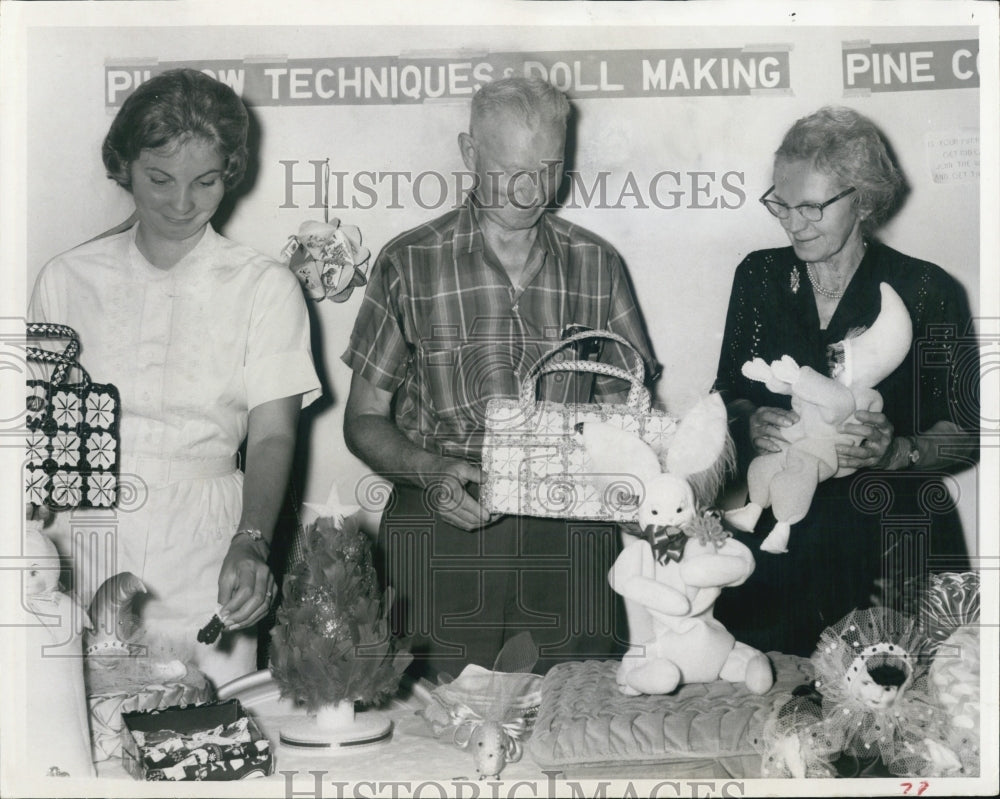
x=811 y=212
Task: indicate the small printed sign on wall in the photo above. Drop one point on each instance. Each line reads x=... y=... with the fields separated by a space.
x=953 y=155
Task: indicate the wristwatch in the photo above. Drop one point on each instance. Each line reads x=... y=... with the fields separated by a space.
x=913 y=456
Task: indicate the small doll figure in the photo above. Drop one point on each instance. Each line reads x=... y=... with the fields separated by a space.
x=58 y=742
x=488 y=713
x=873 y=713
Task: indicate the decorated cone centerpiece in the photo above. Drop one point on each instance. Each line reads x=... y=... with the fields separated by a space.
x=331 y=647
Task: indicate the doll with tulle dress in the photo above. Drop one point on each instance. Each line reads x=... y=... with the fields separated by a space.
x=870 y=711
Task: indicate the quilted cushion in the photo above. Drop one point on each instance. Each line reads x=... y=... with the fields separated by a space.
x=586 y=727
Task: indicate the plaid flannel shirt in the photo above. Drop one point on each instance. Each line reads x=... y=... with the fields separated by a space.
x=443 y=329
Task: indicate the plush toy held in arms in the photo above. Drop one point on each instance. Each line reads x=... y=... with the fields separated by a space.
x=671 y=578
x=787 y=480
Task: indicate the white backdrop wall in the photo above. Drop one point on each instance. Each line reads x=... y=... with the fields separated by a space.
x=681 y=259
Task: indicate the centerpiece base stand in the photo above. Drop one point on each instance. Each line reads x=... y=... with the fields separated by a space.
x=337 y=727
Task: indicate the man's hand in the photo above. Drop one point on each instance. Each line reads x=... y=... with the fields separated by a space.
x=372 y=435
x=448 y=497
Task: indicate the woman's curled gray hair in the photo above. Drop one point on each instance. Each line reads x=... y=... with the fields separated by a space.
x=839 y=141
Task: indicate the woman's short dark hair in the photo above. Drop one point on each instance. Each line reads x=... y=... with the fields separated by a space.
x=171 y=108
x=839 y=141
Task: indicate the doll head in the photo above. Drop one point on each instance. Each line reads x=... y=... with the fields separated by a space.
x=669 y=502
x=42 y=573
x=878 y=679
x=867 y=659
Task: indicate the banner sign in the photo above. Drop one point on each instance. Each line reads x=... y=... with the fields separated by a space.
x=910 y=66
x=418 y=78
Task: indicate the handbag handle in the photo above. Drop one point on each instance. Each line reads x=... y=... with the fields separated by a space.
x=638 y=396
x=64 y=361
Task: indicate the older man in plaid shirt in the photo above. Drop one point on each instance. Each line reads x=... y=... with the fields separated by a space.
x=456 y=312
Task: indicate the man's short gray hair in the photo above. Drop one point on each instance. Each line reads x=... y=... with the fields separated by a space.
x=530 y=100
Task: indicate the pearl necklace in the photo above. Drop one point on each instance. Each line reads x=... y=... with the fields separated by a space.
x=833 y=294
x=819 y=287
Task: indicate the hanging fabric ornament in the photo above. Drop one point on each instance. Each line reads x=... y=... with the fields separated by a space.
x=327 y=257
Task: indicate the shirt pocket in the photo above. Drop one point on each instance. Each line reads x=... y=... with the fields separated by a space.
x=460 y=379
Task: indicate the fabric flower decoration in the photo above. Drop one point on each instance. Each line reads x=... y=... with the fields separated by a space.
x=66 y=449
x=100 y=410
x=328 y=259
x=101 y=450
x=66 y=409
x=34 y=489
x=103 y=490
x=66 y=489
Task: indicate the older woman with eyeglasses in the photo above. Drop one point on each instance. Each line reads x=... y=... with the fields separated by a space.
x=866 y=538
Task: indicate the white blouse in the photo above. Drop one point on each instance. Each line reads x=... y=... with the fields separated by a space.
x=191 y=348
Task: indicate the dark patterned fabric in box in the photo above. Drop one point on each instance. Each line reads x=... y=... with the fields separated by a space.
x=214 y=741
x=106 y=708
x=586 y=727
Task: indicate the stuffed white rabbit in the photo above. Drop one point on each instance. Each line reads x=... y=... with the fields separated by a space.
x=672 y=576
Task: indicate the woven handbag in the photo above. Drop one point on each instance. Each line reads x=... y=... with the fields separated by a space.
x=533 y=461
x=72 y=439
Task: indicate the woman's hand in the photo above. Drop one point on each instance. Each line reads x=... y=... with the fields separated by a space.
x=767 y=427
x=246 y=586
x=874 y=449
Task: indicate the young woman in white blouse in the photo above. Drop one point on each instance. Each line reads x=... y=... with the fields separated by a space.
x=208 y=344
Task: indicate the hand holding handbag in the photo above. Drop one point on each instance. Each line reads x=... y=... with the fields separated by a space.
x=72 y=439
x=535 y=465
